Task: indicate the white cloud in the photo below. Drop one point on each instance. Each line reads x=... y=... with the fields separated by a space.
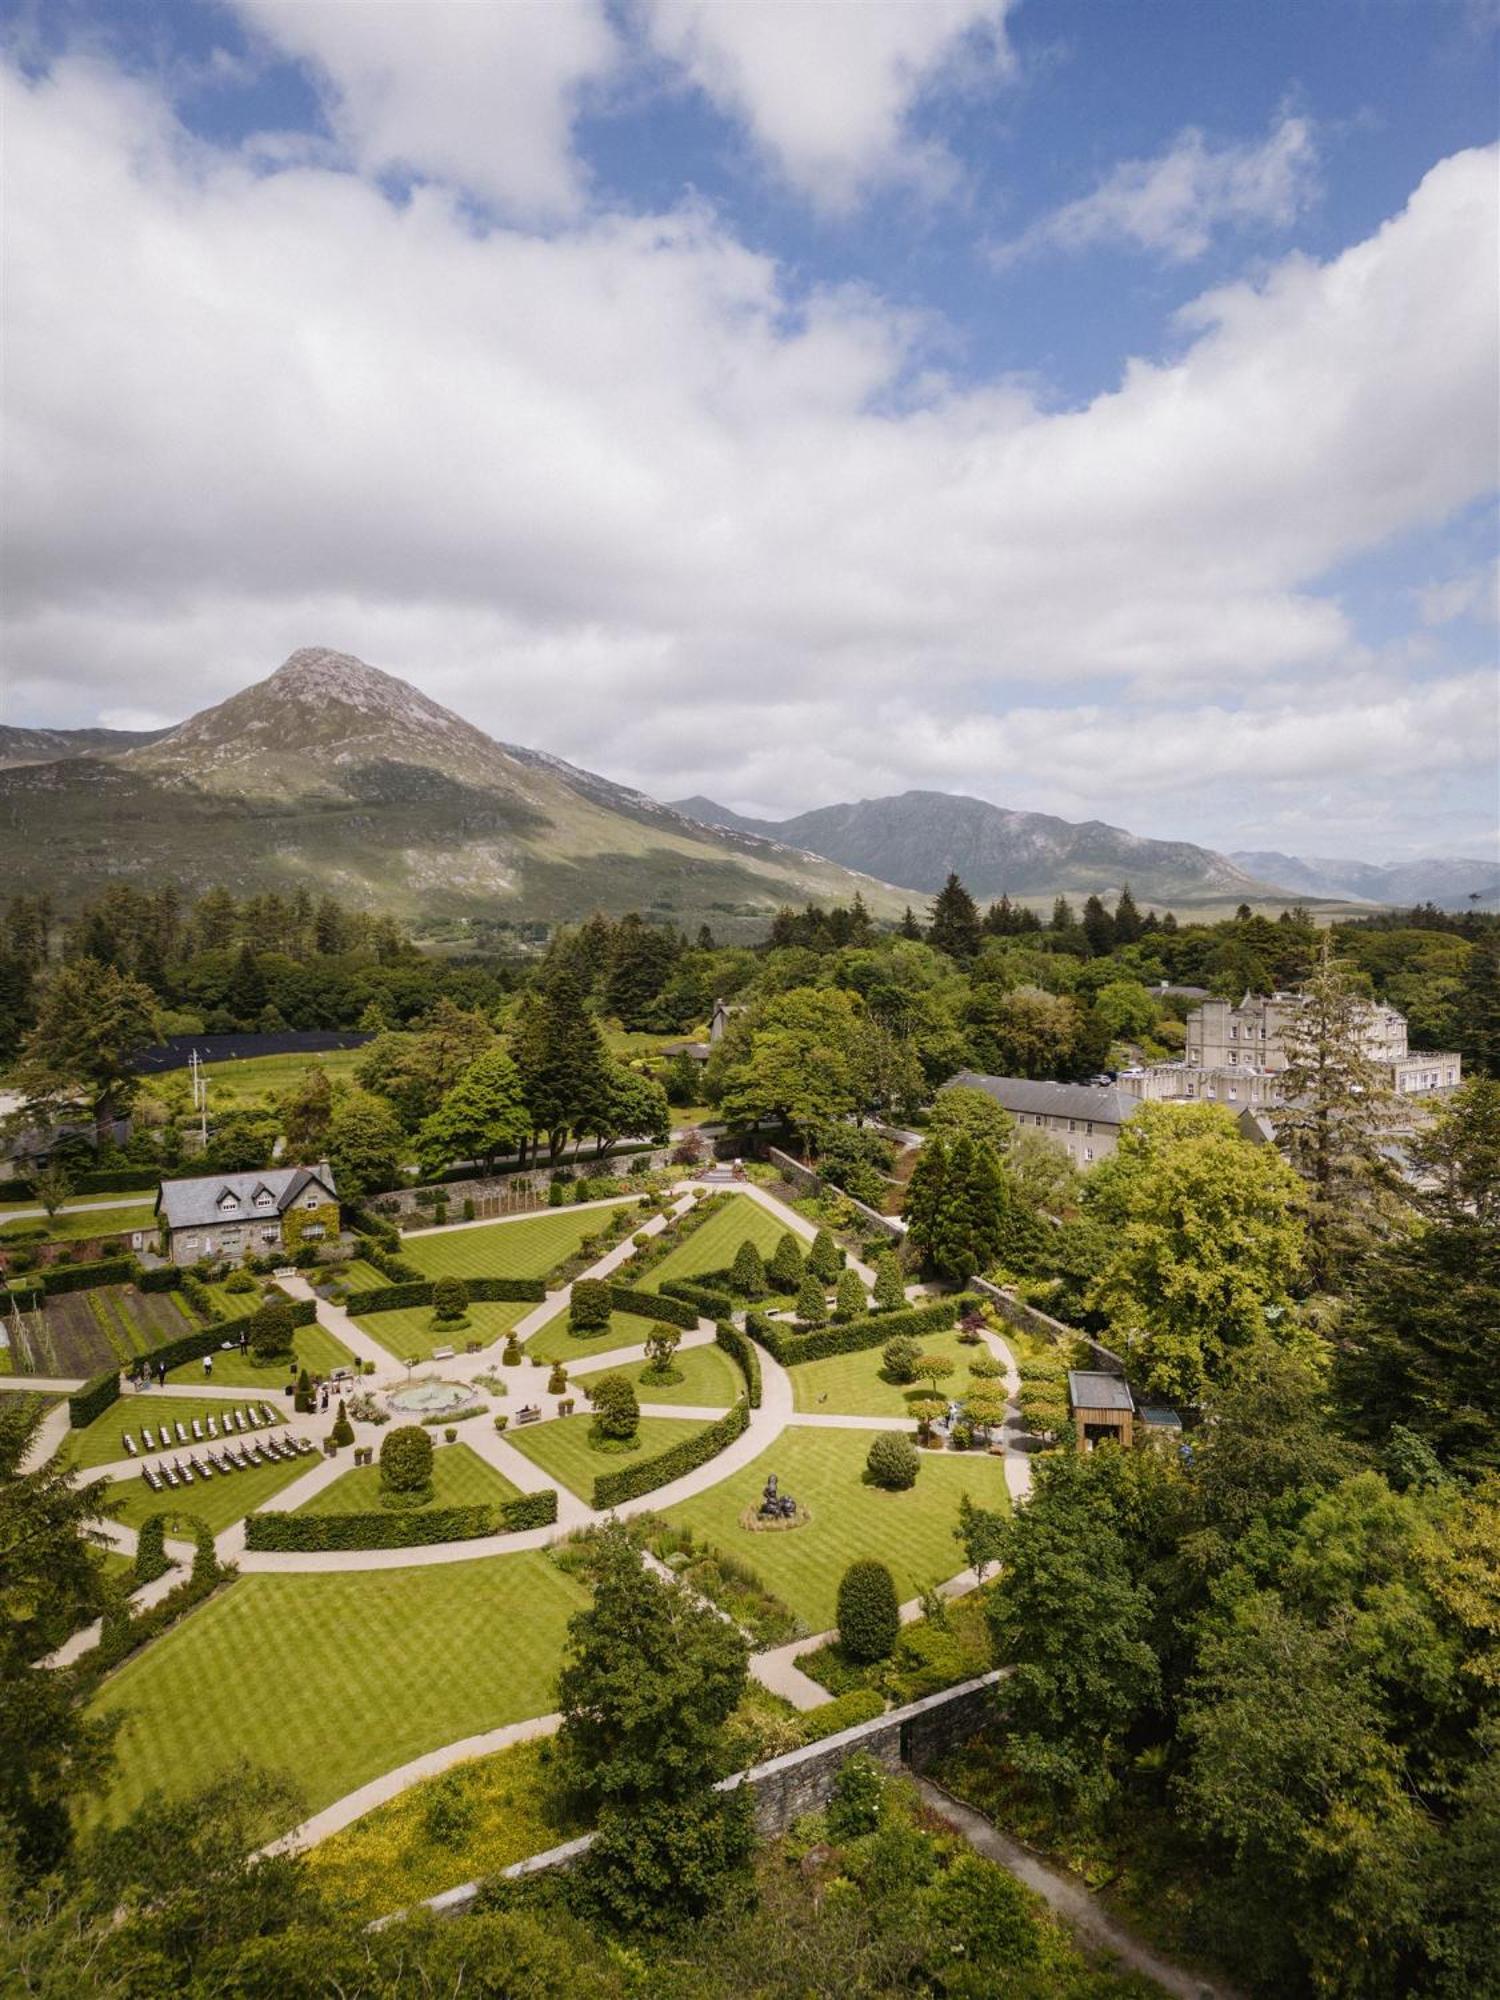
x=1475 y=593
x=611 y=494
x=826 y=87
x=481 y=93
x=1175 y=204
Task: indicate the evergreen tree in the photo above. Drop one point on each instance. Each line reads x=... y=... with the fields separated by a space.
x=909 y=927
x=849 y=1300
x=563 y=1064
x=641 y=959
x=890 y=1288
x=1476 y=1008
x=924 y=1194
x=825 y=1259
x=1127 y=918
x=785 y=1269
x=748 y=1274
x=812 y=1304
x=306 y=1113
x=482 y=1117
x=91 y=1024
x=1334 y=1120
x=953 y=922
x=1098 y=928
x=1063 y=920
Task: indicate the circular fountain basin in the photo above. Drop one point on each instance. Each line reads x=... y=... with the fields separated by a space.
x=429 y=1397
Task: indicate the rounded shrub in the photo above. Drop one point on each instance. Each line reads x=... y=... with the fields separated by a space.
x=590 y=1306
x=450 y=1298
x=900 y=1357
x=406 y=1459
x=270 y=1330
x=617 y=1410
x=892 y=1462
x=557 y=1381
x=239 y=1281
x=868 y=1616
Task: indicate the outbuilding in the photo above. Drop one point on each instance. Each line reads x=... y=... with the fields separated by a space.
x=1103 y=1408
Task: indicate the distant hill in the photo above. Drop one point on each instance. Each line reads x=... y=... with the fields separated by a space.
x=1450 y=882
x=915 y=838
x=333 y=774
x=54 y=746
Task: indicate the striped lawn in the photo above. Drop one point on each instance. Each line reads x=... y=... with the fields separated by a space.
x=313 y=1349
x=220 y=1500
x=409 y=1334
x=525 y=1249
x=561 y=1448
x=854 y=1384
x=709 y=1379
x=911 y=1532
x=71 y=1225
x=101 y=1442
x=460 y=1478
x=712 y=1247
x=334 y=1678
x=556 y=1342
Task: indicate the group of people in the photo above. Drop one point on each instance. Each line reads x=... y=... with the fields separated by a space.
x=144 y=1373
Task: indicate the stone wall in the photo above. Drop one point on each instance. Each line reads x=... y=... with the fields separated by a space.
x=1031 y=1319
x=803 y=1176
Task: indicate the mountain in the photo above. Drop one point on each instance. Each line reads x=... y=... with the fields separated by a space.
x=53 y=746
x=1448 y=881
x=916 y=838
x=334 y=774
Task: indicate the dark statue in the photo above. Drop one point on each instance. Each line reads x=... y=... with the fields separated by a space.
x=776 y=1506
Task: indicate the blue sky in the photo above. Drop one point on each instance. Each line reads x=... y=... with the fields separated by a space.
x=1087 y=406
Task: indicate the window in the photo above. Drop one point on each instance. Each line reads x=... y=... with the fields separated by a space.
x=311 y=1201
x=1088 y=1152
x=1233 y=1057
x=270 y=1236
x=313 y=1229
x=265 y=1199
x=1072 y=1125
x=1234 y=1035
x=1088 y=1126
x=227 y=1201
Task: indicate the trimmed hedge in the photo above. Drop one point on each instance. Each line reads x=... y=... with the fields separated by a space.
x=630 y=1481
x=93 y=1399
x=652 y=1305
x=843 y=1712
x=160 y=1278
x=874 y=1330
x=742 y=1352
x=392 y=1298
x=315 y=1533
x=150 y=1550
x=208 y=1339
x=124 y=1633
x=710 y=1304
x=58 y=1278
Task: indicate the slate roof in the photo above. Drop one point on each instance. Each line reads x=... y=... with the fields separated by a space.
x=1105 y=1103
x=1098 y=1392
x=199 y=1204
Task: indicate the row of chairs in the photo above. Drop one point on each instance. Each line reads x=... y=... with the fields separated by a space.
x=253 y=1417
x=224 y=1460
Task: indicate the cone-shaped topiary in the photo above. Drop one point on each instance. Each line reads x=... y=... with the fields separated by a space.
x=343 y=1430
x=557 y=1381
x=892 y=1462
x=748 y=1273
x=868 y=1615
x=785 y=1268
x=900 y=1357
x=890 y=1287
x=812 y=1306
x=825 y=1259
x=849 y=1300
x=302 y=1400
x=511 y=1358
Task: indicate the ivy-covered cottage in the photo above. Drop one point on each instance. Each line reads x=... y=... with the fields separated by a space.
x=255 y=1214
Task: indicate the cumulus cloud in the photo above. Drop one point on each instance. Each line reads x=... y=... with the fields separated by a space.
x=619 y=493
x=1474 y=593
x=480 y=95
x=826 y=88
x=1175 y=205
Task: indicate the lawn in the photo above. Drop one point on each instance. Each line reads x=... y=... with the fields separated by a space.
x=712 y=1247
x=528 y=1248
x=709 y=1379
x=314 y=1349
x=561 y=1448
x=99 y=1443
x=408 y=1334
x=853 y=1384
x=69 y=1225
x=460 y=1478
x=912 y=1532
x=337 y=1677
x=554 y=1342
x=220 y=1501
x=256 y=1080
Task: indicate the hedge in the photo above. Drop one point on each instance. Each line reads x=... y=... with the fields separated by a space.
x=124 y=1634
x=59 y=1278
x=392 y=1298
x=711 y=1304
x=209 y=1339
x=843 y=1712
x=315 y=1533
x=93 y=1399
x=873 y=1330
x=610 y=1488
x=151 y=1550
x=742 y=1352
x=98 y=1180
x=160 y=1278
x=652 y=1305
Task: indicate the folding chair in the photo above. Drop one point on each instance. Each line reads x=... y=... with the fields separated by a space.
x=129 y=1443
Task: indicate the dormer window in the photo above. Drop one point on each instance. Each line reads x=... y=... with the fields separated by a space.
x=264 y=1198
x=228 y=1201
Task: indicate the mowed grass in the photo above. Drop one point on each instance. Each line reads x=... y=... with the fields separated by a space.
x=854 y=1384
x=256 y=1080
x=709 y=1379
x=71 y=1225
x=220 y=1501
x=317 y=1351
x=561 y=1448
x=460 y=1478
x=334 y=1678
x=408 y=1334
x=712 y=1247
x=527 y=1248
x=911 y=1532
x=102 y=1441
x=556 y=1342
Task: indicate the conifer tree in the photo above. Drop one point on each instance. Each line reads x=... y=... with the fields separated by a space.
x=1127 y=918
x=924 y=1193
x=954 y=925
x=1334 y=1119
x=909 y=927
x=825 y=1259
x=812 y=1306
x=1063 y=919
x=785 y=1269
x=1477 y=1006
x=748 y=1274
x=849 y=1300
x=890 y=1292
x=1098 y=928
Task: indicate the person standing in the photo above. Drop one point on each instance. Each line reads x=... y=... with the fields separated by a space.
x=208 y=1365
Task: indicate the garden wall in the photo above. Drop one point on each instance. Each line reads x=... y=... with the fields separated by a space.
x=1031 y=1319
x=803 y=1176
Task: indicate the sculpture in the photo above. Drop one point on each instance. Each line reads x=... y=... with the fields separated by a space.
x=776 y=1506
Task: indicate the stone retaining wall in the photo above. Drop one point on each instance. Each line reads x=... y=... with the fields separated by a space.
x=1032 y=1320
x=793 y=1170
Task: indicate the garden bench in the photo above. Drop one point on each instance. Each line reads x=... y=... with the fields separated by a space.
x=203 y=1471
x=529 y=1413
x=148 y=1438
x=269 y=1414
x=213 y=1427
x=182 y=1472
x=151 y=1478
x=442 y=1354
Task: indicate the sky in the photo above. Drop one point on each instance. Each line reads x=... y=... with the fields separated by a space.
x=1091 y=408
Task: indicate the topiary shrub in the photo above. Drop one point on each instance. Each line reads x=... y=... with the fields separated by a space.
x=985 y=1368
x=849 y=1301
x=239 y=1281
x=511 y=1358
x=868 y=1616
x=825 y=1259
x=617 y=1411
x=343 y=1431
x=557 y=1194
x=890 y=1285
x=557 y=1381
x=785 y=1268
x=450 y=1298
x=590 y=1306
x=406 y=1459
x=812 y=1307
x=303 y=1399
x=892 y=1462
x=270 y=1330
x=747 y=1274
x=900 y=1357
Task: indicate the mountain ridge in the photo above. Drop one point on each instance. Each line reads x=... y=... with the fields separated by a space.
x=1453 y=882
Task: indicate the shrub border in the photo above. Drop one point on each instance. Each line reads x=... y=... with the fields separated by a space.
x=630 y=1481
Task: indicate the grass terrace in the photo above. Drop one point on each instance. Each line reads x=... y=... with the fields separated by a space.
x=709 y=1378
x=220 y=1501
x=912 y=1532
x=317 y=1351
x=100 y=1442
x=253 y=1081
x=712 y=1247
x=460 y=1478
x=555 y=1342
x=561 y=1448
x=526 y=1248
x=854 y=1385
x=71 y=1225
x=334 y=1678
x=408 y=1334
